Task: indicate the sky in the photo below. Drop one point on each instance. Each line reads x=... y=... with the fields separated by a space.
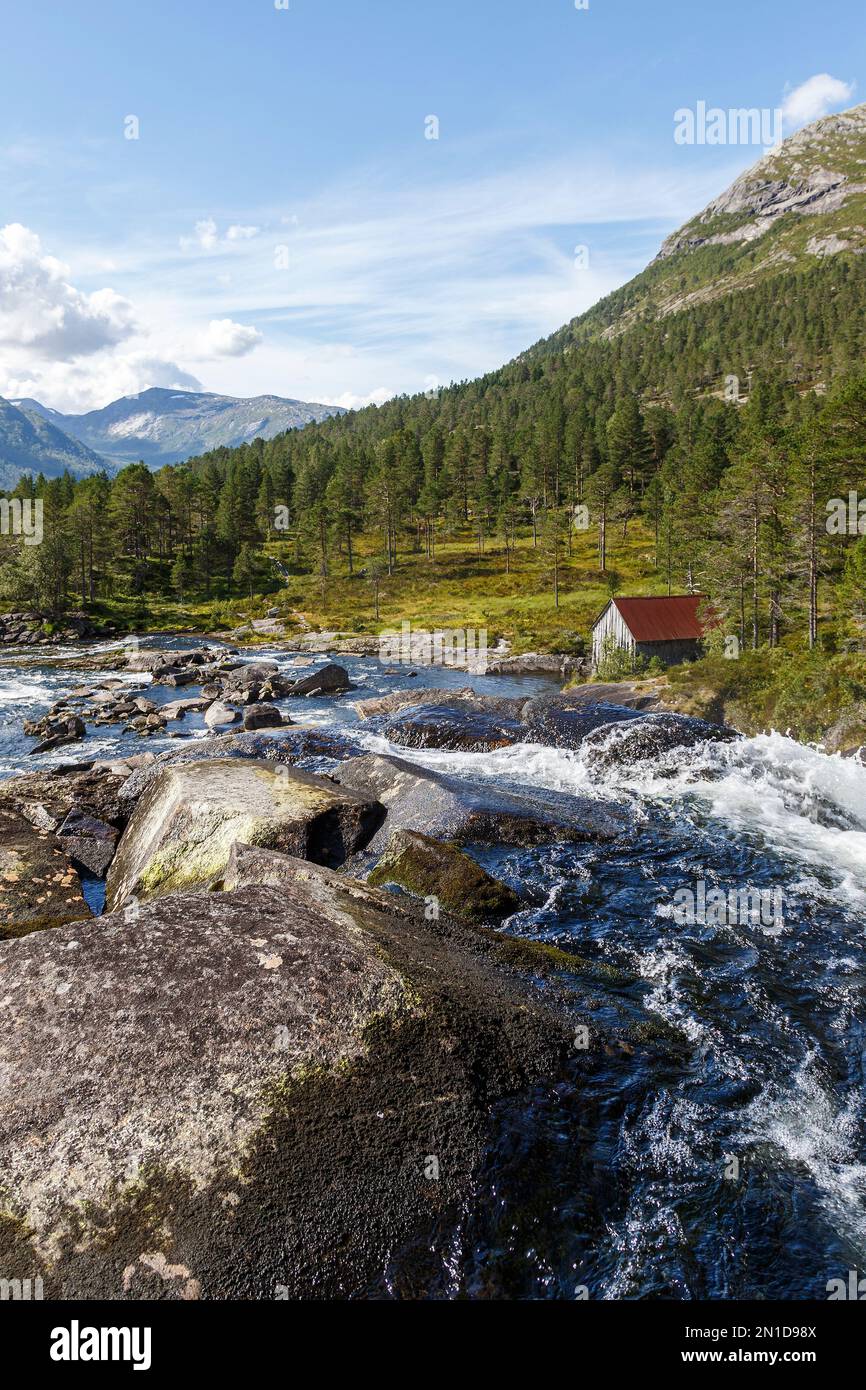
x=342 y=200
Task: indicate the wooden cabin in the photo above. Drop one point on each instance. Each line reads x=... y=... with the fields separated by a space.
x=668 y=628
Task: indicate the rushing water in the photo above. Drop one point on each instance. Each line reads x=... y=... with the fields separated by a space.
x=733 y=1166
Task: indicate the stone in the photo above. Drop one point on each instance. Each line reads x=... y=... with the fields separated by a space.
x=564 y=720
x=330 y=680
x=219 y=714
x=88 y=841
x=446 y=808
x=649 y=738
x=178 y=709
x=262 y=717
x=39 y=888
x=233 y=1095
x=46 y=798
x=848 y=734
x=191 y=813
x=399 y=699
x=469 y=725
x=429 y=867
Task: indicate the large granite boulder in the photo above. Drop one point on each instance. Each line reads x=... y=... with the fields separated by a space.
x=288 y=746
x=186 y=821
x=264 y=1093
x=39 y=888
x=447 y=808
x=563 y=721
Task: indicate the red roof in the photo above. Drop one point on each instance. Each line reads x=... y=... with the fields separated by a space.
x=663 y=619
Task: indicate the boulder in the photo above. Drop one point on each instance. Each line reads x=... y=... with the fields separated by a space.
x=564 y=720
x=399 y=699
x=429 y=867
x=449 y=809
x=239 y=1095
x=648 y=738
x=38 y=886
x=191 y=813
x=262 y=717
x=289 y=747
x=465 y=724
x=255 y=673
x=88 y=841
x=178 y=709
x=330 y=680
x=219 y=714
x=45 y=799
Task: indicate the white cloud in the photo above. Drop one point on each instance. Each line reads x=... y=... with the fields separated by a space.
x=224 y=338
x=42 y=312
x=813 y=98
x=239 y=233
x=75 y=350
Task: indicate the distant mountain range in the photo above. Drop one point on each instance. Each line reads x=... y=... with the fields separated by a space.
x=156 y=426
x=30 y=442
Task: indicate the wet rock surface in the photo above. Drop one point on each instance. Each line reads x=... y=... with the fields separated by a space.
x=630 y=743
x=471 y=725
x=432 y=868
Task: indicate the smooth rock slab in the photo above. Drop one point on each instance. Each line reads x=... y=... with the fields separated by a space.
x=466 y=725
x=186 y=821
x=234 y=1095
x=450 y=809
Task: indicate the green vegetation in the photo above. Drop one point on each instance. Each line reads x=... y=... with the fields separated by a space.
x=597 y=462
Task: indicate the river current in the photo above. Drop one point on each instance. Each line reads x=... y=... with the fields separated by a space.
x=731 y=1167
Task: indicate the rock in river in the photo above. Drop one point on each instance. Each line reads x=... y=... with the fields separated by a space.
x=186 y=821
x=238 y=1095
x=450 y=809
x=643 y=740
x=331 y=680
x=470 y=725
x=426 y=866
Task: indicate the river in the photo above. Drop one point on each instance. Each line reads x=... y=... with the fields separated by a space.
x=733 y=1168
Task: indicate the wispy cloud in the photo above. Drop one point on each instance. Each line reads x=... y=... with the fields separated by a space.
x=363 y=292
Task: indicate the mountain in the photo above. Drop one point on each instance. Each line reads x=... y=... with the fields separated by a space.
x=160 y=426
x=30 y=442
x=801 y=205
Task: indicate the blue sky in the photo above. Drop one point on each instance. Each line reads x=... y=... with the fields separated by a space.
x=282 y=224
